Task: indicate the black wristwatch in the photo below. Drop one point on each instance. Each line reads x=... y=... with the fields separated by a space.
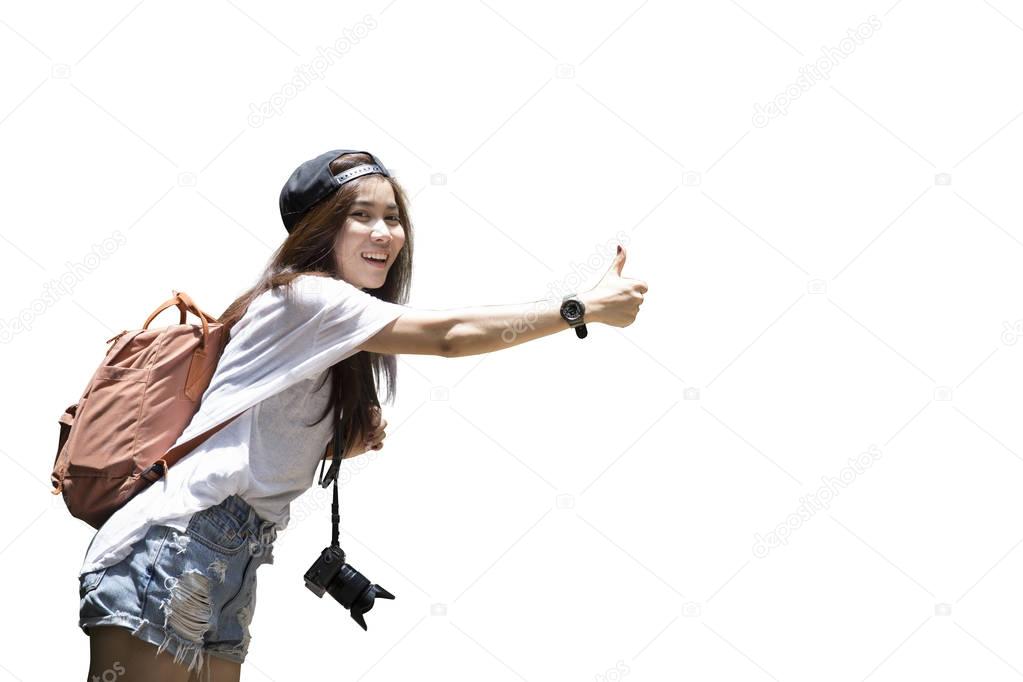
x=572 y=310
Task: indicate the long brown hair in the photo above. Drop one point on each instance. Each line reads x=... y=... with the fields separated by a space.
x=309 y=249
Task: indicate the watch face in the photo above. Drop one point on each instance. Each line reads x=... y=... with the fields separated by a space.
x=571 y=310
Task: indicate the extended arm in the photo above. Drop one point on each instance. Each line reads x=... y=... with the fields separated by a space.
x=483 y=329
x=471 y=330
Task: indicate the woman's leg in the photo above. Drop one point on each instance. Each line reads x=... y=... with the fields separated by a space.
x=116 y=654
x=218 y=670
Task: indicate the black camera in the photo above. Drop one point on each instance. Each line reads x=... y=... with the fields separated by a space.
x=350 y=588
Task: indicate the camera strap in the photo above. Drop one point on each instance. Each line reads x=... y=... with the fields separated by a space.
x=332 y=474
x=335 y=517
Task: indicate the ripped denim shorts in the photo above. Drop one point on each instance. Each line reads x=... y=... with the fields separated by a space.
x=189 y=593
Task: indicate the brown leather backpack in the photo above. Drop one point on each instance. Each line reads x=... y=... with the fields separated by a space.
x=114 y=442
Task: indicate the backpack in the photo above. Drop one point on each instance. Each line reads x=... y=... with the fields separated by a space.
x=115 y=441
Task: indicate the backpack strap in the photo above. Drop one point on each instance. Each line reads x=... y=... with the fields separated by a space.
x=157 y=469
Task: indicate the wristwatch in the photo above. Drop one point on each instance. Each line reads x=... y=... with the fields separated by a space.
x=572 y=310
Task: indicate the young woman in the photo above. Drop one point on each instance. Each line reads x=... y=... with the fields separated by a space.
x=168 y=584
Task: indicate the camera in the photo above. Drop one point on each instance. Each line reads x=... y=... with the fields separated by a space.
x=350 y=588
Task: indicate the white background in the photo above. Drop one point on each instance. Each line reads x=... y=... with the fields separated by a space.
x=842 y=280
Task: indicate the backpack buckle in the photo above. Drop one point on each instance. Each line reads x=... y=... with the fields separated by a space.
x=152 y=476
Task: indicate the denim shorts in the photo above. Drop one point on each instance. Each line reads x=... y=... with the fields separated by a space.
x=189 y=593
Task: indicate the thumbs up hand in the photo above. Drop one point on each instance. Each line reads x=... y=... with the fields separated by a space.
x=616 y=299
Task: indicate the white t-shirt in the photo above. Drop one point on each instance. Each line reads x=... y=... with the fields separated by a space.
x=276 y=358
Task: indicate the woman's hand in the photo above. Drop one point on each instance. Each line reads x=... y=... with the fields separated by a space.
x=615 y=300
x=375 y=439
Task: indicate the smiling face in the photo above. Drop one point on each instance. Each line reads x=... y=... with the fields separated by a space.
x=373 y=228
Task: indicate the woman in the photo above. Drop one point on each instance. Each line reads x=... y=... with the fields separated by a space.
x=168 y=584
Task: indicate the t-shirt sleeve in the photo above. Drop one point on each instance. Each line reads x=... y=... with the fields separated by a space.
x=289 y=334
x=348 y=317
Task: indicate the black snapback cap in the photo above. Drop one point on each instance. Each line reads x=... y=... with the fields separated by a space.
x=313 y=181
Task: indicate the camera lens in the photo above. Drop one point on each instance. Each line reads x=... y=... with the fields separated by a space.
x=353 y=591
